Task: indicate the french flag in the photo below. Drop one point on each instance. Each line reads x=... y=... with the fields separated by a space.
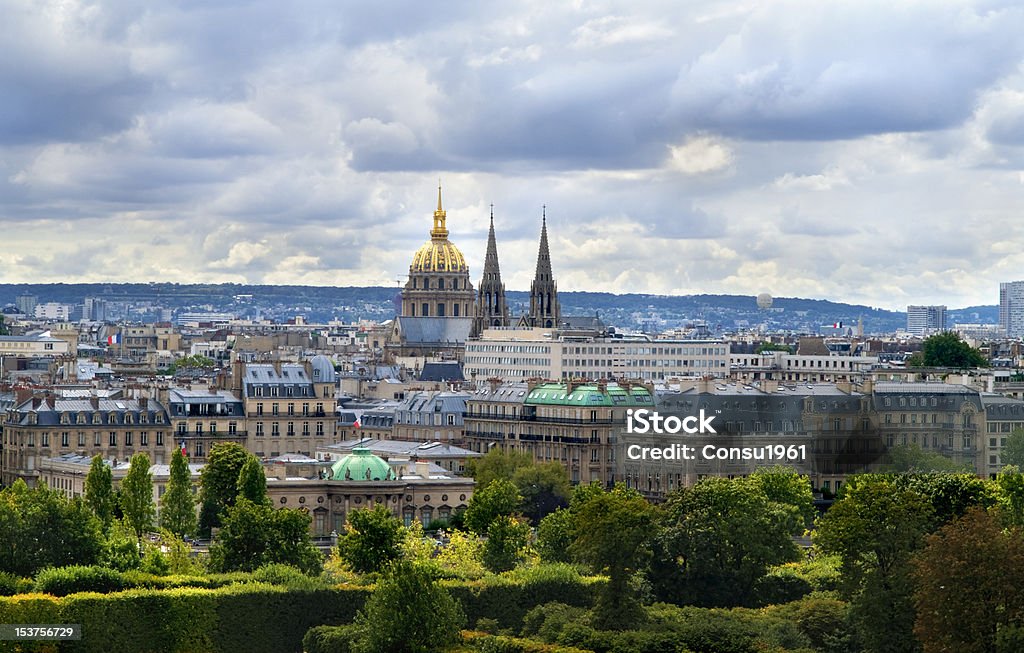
x=114 y=339
x=837 y=325
x=356 y=424
x=184 y=451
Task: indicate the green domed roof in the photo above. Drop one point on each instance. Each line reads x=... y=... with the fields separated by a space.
x=361 y=465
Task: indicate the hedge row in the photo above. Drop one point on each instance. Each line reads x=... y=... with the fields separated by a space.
x=487 y=643
x=61 y=581
x=257 y=617
x=509 y=601
x=253 y=617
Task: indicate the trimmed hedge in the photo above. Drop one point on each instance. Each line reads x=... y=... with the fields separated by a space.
x=11 y=584
x=508 y=600
x=62 y=581
x=253 y=617
x=486 y=643
x=329 y=639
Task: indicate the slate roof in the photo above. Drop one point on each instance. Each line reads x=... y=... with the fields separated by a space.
x=434 y=330
x=442 y=371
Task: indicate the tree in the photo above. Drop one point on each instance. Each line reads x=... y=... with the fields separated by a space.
x=1010 y=495
x=554 y=536
x=40 y=527
x=507 y=539
x=969 y=584
x=612 y=533
x=500 y=497
x=178 y=505
x=948 y=350
x=99 y=491
x=373 y=539
x=408 y=612
x=783 y=485
x=912 y=458
x=218 y=483
x=765 y=347
x=544 y=487
x=252 y=482
x=497 y=463
x=137 y=496
x=1013 y=452
x=720 y=537
x=191 y=362
x=876 y=527
x=3 y=327
x=253 y=535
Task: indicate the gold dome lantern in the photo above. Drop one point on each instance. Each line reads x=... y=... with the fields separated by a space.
x=438 y=254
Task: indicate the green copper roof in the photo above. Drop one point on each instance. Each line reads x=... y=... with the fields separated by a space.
x=361 y=465
x=588 y=394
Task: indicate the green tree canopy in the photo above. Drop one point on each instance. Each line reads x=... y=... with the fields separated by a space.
x=876 y=527
x=554 y=536
x=253 y=535
x=1010 y=495
x=784 y=485
x=219 y=482
x=252 y=482
x=409 y=612
x=497 y=463
x=912 y=458
x=544 y=488
x=191 y=362
x=612 y=531
x=969 y=584
x=373 y=538
x=137 y=496
x=499 y=498
x=40 y=527
x=507 y=539
x=719 y=537
x=178 y=505
x=1013 y=452
x=948 y=350
x=99 y=491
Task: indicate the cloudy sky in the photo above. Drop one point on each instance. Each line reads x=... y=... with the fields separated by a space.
x=857 y=151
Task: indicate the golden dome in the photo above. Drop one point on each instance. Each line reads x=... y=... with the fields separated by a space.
x=438 y=254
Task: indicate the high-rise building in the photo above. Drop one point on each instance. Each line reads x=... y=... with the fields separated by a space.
x=925 y=320
x=1011 y=308
x=94 y=309
x=26 y=304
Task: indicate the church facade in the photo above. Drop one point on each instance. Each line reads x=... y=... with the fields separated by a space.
x=440 y=307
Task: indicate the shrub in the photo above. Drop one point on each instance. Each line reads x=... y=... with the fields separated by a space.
x=286 y=576
x=548 y=620
x=329 y=639
x=487 y=643
x=11 y=584
x=409 y=612
x=62 y=581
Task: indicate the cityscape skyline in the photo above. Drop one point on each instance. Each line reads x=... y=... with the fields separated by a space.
x=796 y=149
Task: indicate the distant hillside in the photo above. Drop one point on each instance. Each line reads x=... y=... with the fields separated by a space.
x=147 y=301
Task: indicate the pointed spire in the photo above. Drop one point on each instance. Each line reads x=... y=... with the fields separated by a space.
x=491 y=307
x=491 y=270
x=440 y=231
x=543 y=254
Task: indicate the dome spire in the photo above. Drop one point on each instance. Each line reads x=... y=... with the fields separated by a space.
x=439 y=232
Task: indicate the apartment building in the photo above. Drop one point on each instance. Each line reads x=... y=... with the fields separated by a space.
x=518 y=353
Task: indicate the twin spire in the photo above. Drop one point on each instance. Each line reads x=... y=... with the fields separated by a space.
x=491 y=307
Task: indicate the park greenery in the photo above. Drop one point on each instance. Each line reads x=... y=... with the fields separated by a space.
x=947 y=350
x=909 y=562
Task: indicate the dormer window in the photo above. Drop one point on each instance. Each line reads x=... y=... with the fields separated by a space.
x=81 y=418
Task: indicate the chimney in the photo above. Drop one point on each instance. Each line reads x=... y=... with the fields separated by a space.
x=143 y=403
x=51 y=400
x=94 y=401
x=844 y=386
x=770 y=385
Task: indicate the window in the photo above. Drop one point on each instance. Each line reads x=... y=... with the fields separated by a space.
x=113 y=439
x=259 y=429
x=45 y=440
x=291 y=409
x=274 y=409
x=81 y=439
x=319 y=428
x=232 y=428
x=275 y=429
x=144 y=438
x=159 y=438
x=65 y=438
x=291 y=428
x=128 y=439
